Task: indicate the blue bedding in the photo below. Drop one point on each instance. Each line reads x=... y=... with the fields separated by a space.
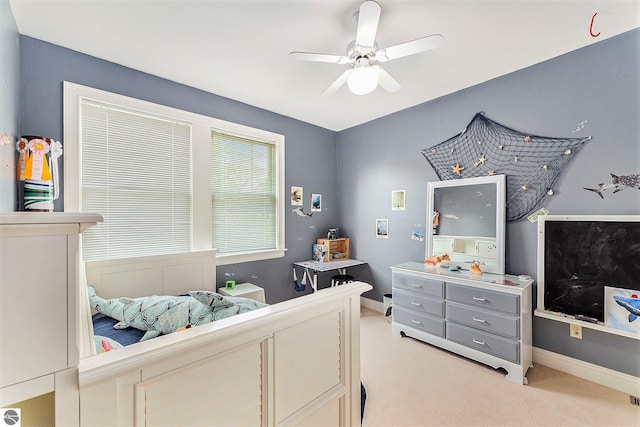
x=103 y=326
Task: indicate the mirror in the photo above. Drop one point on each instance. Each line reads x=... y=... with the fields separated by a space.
x=468 y=222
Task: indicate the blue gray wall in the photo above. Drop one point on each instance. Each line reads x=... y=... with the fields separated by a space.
x=356 y=169
x=9 y=103
x=599 y=84
x=310 y=150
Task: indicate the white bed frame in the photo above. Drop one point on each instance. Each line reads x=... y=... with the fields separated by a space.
x=292 y=363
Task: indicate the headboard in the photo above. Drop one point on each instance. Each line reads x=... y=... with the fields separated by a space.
x=169 y=274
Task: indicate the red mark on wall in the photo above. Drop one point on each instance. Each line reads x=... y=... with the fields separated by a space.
x=591 y=26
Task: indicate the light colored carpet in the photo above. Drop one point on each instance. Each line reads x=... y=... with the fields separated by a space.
x=410 y=383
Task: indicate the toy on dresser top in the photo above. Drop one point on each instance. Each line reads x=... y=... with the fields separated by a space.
x=474 y=268
x=436 y=261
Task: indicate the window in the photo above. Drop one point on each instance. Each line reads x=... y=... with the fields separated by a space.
x=243 y=194
x=136 y=172
x=168 y=180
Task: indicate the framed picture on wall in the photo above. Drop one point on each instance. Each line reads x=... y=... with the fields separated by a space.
x=296 y=196
x=382 y=228
x=621 y=306
x=397 y=200
x=316 y=202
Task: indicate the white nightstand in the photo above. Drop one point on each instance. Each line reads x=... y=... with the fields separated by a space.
x=246 y=290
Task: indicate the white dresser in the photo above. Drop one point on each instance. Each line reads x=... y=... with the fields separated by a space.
x=486 y=318
x=39 y=308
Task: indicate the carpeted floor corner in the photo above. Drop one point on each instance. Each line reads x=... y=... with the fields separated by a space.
x=410 y=383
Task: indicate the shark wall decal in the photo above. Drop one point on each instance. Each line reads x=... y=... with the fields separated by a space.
x=632 y=305
x=619 y=183
x=301 y=212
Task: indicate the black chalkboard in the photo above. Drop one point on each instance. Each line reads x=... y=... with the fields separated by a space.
x=582 y=257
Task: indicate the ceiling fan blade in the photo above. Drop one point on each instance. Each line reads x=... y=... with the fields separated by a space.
x=368 y=18
x=338 y=83
x=387 y=82
x=319 y=57
x=410 y=48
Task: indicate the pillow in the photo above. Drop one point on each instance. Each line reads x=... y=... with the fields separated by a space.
x=105 y=344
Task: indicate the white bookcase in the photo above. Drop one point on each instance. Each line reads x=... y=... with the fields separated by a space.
x=39 y=308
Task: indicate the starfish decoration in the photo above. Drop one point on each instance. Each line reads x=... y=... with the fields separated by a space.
x=482 y=159
x=457 y=168
x=502 y=145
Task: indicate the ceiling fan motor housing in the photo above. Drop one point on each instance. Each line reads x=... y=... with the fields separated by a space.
x=356 y=52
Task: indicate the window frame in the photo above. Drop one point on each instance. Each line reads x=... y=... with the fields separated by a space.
x=200 y=164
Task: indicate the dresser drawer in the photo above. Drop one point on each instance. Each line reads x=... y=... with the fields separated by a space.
x=494 y=322
x=491 y=300
x=418 y=284
x=419 y=303
x=503 y=348
x=419 y=321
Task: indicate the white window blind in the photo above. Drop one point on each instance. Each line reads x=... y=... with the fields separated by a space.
x=244 y=184
x=136 y=172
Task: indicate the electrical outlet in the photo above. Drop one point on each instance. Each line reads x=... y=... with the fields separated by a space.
x=575 y=331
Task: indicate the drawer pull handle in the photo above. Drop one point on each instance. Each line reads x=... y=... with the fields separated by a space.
x=417 y=322
x=417 y=304
x=415 y=286
x=479 y=299
x=478 y=342
x=479 y=320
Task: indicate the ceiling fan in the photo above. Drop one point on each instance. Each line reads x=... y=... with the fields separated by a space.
x=363 y=55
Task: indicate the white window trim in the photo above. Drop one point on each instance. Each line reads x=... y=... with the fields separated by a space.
x=201 y=163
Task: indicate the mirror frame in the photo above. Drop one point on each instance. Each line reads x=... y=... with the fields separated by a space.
x=499 y=181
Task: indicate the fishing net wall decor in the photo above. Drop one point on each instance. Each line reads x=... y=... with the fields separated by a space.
x=531 y=163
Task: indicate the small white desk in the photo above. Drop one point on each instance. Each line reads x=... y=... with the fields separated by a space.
x=316 y=267
x=246 y=290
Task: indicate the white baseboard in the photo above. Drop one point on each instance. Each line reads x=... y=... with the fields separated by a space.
x=588 y=371
x=604 y=376
x=372 y=304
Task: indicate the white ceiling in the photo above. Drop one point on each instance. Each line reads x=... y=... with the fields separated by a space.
x=239 y=48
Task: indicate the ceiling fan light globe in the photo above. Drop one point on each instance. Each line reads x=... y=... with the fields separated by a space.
x=362 y=80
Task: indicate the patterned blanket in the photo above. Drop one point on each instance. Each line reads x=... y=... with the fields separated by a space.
x=165 y=314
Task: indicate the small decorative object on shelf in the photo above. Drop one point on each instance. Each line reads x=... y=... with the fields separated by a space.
x=335 y=249
x=333 y=233
x=37 y=172
x=320 y=253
